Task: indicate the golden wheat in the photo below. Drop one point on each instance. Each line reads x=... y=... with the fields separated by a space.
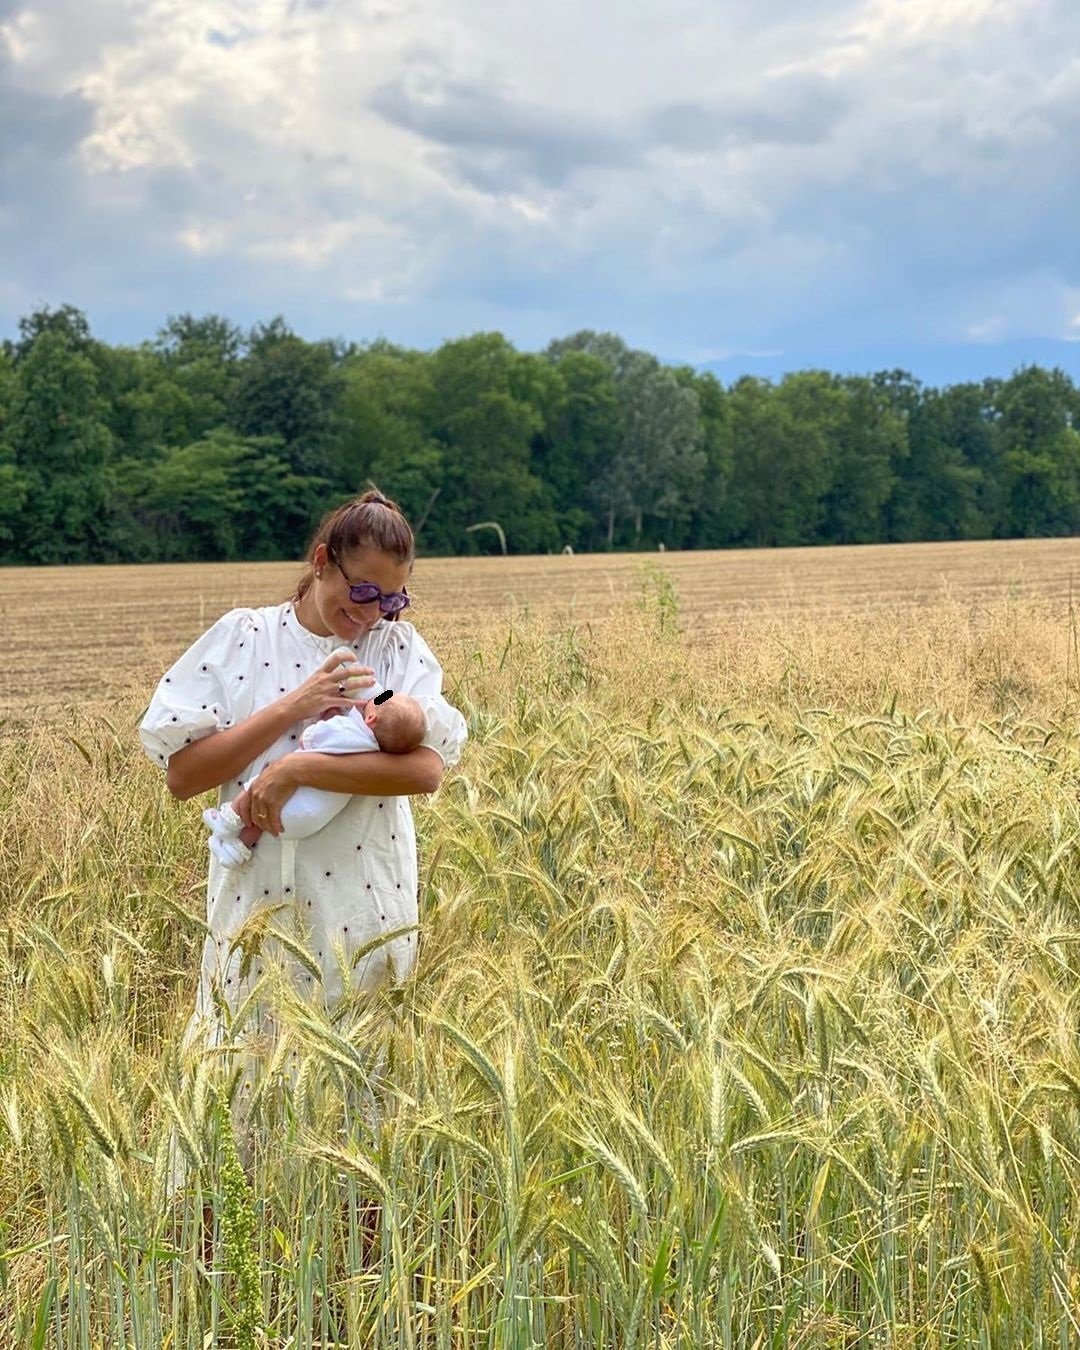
x=745 y=1011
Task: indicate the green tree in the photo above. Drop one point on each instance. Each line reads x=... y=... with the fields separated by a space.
x=936 y=493
x=60 y=446
x=659 y=466
x=148 y=409
x=971 y=425
x=291 y=389
x=14 y=486
x=14 y=490
x=230 y=497
x=486 y=432
x=781 y=467
x=67 y=323
x=207 y=442
x=383 y=437
x=575 y=450
x=1040 y=448
x=201 y=360
x=712 y=525
x=662 y=464
x=867 y=440
x=8 y=381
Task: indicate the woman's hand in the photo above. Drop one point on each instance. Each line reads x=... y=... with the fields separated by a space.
x=322 y=692
x=269 y=793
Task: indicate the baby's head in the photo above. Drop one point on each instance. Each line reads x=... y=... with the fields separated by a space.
x=398 y=723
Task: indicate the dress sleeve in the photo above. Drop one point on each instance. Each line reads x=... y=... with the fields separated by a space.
x=209 y=688
x=413 y=670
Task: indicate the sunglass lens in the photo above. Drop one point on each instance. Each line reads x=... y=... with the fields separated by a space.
x=389 y=604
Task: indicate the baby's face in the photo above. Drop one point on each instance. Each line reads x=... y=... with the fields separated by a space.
x=399 y=720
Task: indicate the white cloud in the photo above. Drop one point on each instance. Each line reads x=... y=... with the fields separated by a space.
x=200 y=241
x=701 y=176
x=919 y=22
x=18 y=36
x=987 y=330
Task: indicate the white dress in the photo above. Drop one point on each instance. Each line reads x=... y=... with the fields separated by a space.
x=353 y=880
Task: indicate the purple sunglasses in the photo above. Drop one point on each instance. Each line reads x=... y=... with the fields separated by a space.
x=366 y=591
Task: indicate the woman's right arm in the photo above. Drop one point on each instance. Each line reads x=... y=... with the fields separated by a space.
x=213 y=759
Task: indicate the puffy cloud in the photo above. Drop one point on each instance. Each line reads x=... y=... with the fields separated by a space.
x=701 y=178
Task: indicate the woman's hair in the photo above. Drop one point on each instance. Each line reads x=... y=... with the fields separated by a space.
x=371 y=521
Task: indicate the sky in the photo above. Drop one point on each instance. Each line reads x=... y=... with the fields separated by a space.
x=751 y=186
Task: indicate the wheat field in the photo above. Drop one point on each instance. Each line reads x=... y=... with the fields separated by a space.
x=93 y=634
x=746 y=1009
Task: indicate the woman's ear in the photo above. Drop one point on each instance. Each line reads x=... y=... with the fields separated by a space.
x=318 y=558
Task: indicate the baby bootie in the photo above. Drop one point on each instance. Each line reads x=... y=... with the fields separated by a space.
x=231 y=853
x=222 y=820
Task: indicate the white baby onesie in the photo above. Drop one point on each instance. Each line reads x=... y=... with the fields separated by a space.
x=309 y=808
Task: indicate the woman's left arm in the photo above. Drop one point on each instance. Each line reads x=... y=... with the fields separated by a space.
x=367 y=773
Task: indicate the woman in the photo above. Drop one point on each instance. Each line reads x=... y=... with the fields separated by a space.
x=236 y=703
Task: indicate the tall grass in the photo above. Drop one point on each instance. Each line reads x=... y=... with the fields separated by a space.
x=745 y=1016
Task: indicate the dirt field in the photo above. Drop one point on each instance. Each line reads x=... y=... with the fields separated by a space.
x=92 y=632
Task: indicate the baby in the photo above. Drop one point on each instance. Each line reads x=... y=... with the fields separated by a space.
x=396 y=724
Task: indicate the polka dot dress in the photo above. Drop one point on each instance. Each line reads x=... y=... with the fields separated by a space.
x=356 y=878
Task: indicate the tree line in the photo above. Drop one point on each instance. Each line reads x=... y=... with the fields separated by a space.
x=211 y=443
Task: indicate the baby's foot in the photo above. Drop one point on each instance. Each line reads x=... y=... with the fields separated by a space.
x=231 y=853
x=223 y=821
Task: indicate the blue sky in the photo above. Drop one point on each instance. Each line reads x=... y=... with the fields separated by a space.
x=758 y=187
